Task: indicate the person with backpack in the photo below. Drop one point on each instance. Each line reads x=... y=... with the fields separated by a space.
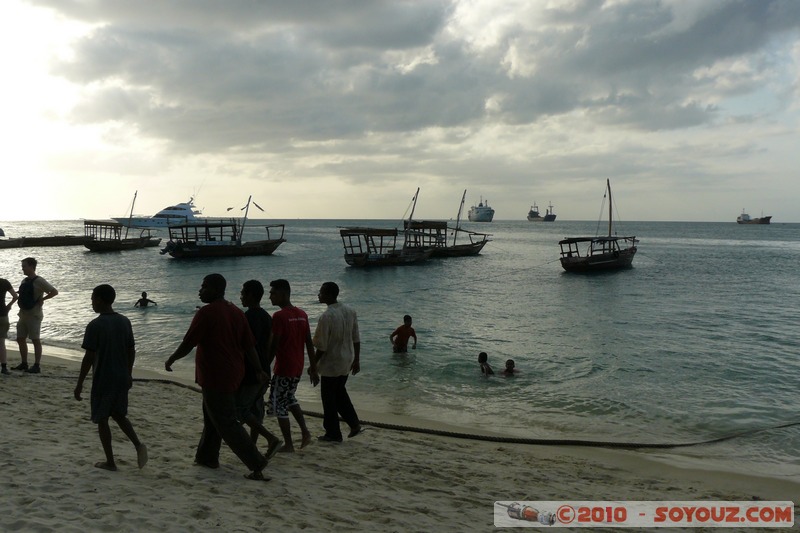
x=33 y=291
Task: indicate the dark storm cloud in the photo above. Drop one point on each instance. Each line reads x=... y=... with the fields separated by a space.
x=211 y=75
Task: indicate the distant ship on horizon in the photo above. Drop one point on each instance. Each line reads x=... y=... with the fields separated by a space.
x=481 y=212
x=534 y=216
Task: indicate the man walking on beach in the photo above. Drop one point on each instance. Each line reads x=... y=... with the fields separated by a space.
x=290 y=332
x=222 y=336
x=338 y=348
x=33 y=291
x=110 y=353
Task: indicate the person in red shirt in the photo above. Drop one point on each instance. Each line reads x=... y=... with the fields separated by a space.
x=290 y=333
x=400 y=336
x=223 y=338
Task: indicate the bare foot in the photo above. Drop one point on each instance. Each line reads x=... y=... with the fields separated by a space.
x=286 y=449
x=306 y=440
x=106 y=466
x=141 y=455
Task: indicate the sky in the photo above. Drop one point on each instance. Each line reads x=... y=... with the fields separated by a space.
x=341 y=109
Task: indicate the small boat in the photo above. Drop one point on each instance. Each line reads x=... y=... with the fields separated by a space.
x=220 y=238
x=49 y=240
x=365 y=247
x=182 y=213
x=744 y=218
x=434 y=234
x=111 y=236
x=534 y=216
x=481 y=212
x=600 y=253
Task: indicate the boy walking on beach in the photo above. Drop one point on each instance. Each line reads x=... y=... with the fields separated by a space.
x=290 y=332
x=33 y=291
x=250 y=396
x=400 y=336
x=110 y=353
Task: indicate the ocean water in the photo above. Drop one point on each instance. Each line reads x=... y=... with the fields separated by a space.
x=697 y=341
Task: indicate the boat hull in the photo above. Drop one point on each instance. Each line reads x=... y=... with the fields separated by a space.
x=599 y=262
x=396 y=258
x=459 y=250
x=761 y=220
x=190 y=249
x=11 y=243
x=480 y=215
x=121 y=245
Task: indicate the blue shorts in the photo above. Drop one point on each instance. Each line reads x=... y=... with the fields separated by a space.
x=281 y=395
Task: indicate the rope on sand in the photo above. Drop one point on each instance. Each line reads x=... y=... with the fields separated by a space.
x=520 y=440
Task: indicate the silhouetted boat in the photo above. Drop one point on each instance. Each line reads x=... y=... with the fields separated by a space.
x=364 y=247
x=111 y=236
x=534 y=216
x=481 y=212
x=744 y=218
x=600 y=253
x=220 y=238
x=434 y=234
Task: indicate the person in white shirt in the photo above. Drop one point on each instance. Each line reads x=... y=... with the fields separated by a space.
x=338 y=347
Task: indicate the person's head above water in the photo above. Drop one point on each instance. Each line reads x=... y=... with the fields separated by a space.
x=483 y=357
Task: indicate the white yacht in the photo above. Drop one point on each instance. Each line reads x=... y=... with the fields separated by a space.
x=481 y=212
x=173 y=214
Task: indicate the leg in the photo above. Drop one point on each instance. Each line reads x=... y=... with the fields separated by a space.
x=297 y=412
x=259 y=429
x=37 y=351
x=330 y=419
x=23 y=351
x=345 y=407
x=286 y=431
x=208 y=448
x=221 y=408
x=105 y=440
x=127 y=428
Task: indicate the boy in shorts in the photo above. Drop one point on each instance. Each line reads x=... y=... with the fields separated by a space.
x=250 y=396
x=110 y=353
x=290 y=332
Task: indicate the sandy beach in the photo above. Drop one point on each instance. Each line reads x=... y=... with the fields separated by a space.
x=382 y=480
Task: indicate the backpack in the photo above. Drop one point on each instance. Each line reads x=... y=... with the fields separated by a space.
x=27 y=301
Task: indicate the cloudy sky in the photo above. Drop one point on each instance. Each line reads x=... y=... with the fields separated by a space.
x=342 y=108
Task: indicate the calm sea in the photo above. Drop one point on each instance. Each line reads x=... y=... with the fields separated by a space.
x=697 y=341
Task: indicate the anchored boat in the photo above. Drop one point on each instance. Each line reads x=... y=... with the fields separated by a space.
x=111 y=236
x=744 y=218
x=220 y=238
x=435 y=235
x=534 y=216
x=364 y=247
x=590 y=254
x=481 y=212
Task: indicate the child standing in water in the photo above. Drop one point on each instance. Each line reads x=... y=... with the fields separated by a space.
x=400 y=336
x=509 y=370
x=483 y=359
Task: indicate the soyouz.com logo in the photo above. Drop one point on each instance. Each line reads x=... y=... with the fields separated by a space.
x=643 y=514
